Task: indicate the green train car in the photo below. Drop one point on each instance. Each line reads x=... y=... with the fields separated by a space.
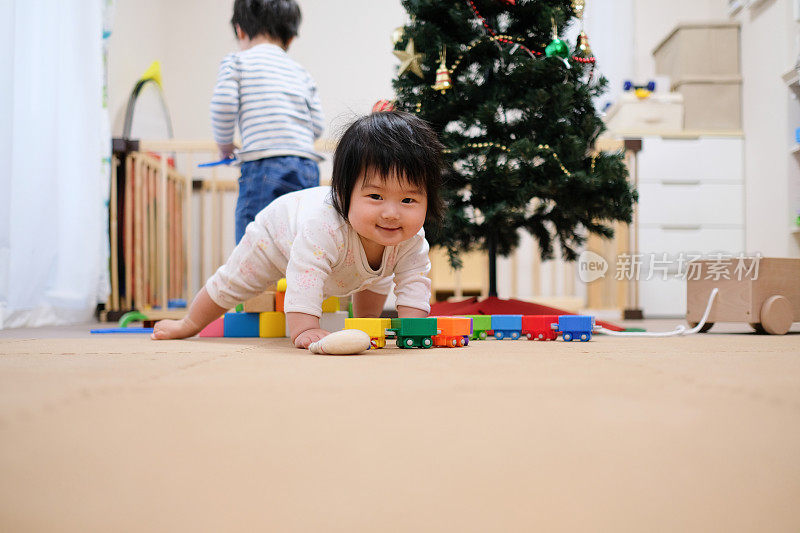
x=480 y=325
x=414 y=332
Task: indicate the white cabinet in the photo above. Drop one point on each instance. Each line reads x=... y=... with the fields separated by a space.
x=691 y=202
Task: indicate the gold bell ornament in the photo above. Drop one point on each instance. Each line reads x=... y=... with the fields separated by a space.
x=584 y=50
x=443 y=81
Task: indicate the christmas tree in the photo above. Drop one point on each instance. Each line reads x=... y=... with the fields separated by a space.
x=512 y=103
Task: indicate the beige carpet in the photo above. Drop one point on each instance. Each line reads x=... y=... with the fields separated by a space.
x=119 y=433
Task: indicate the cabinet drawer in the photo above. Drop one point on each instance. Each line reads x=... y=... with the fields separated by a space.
x=704 y=159
x=688 y=239
x=691 y=202
x=662 y=298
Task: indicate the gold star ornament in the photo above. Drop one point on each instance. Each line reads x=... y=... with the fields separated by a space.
x=409 y=59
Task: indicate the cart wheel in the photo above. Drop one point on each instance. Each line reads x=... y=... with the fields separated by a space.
x=466 y=341
x=567 y=337
x=498 y=335
x=707 y=326
x=482 y=335
x=758 y=328
x=427 y=342
x=776 y=315
x=453 y=343
x=530 y=336
x=409 y=342
x=514 y=335
x=584 y=337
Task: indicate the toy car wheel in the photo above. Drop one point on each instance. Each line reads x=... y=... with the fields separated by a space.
x=541 y=336
x=498 y=335
x=776 y=315
x=465 y=341
x=453 y=343
x=514 y=335
x=584 y=337
x=482 y=335
x=408 y=343
x=427 y=342
x=568 y=337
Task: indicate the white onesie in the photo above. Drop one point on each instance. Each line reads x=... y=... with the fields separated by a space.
x=302 y=237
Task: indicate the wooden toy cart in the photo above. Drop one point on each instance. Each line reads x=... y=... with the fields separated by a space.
x=764 y=292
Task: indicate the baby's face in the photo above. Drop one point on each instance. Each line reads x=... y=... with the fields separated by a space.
x=386 y=211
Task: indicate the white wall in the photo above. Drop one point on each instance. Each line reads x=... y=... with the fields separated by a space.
x=769 y=49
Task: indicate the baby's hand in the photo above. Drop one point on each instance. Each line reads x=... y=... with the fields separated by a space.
x=173 y=329
x=305 y=339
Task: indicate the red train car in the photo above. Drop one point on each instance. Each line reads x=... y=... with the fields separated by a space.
x=539 y=327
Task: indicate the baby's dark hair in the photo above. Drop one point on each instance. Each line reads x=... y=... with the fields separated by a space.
x=280 y=19
x=392 y=143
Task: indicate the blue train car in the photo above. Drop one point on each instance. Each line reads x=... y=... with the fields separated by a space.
x=507 y=326
x=576 y=327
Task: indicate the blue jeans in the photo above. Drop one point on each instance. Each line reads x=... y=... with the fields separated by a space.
x=263 y=180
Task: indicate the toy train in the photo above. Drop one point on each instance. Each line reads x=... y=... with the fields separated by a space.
x=454 y=332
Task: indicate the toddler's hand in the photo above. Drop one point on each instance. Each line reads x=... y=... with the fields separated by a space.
x=305 y=339
x=226 y=150
x=173 y=329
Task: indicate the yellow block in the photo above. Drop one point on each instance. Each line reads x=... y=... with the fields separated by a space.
x=374 y=327
x=271 y=324
x=330 y=305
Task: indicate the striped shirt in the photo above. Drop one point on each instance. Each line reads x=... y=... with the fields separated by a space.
x=273 y=100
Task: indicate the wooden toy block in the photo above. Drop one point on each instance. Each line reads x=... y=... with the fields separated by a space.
x=241 y=325
x=540 y=327
x=374 y=327
x=453 y=331
x=507 y=326
x=576 y=327
x=214 y=329
x=762 y=291
x=279 y=298
x=280 y=295
x=480 y=325
x=415 y=332
x=333 y=321
x=330 y=305
x=263 y=303
x=271 y=324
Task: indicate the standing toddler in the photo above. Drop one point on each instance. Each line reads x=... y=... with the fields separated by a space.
x=275 y=103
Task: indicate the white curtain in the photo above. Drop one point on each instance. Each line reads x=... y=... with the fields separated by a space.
x=54 y=150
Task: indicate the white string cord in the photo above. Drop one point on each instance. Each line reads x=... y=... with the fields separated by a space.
x=679 y=330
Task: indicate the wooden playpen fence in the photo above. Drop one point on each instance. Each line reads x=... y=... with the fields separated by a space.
x=156 y=254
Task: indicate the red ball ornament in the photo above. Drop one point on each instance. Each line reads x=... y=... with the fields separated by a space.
x=383 y=105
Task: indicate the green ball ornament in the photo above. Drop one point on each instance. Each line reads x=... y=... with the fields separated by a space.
x=558 y=48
